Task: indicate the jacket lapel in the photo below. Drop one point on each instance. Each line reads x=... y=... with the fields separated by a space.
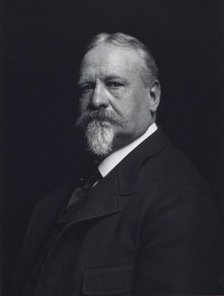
x=101 y=200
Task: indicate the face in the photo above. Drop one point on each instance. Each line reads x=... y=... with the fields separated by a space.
x=114 y=101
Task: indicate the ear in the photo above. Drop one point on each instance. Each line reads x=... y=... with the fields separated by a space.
x=154 y=95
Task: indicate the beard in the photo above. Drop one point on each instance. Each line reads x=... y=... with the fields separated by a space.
x=97 y=125
x=100 y=138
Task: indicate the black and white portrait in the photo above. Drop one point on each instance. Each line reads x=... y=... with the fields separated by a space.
x=112 y=147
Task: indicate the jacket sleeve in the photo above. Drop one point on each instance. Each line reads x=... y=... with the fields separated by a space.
x=179 y=246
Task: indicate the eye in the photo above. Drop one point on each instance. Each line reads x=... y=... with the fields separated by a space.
x=114 y=84
x=84 y=88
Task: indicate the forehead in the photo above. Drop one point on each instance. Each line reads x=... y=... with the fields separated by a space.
x=108 y=59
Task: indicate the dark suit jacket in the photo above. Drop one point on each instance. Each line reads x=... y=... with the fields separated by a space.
x=148 y=228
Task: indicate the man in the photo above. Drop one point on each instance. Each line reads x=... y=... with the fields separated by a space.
x=148 y=226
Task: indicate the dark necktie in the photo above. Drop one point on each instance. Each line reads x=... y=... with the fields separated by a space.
x=92 y=181
x=84 y=187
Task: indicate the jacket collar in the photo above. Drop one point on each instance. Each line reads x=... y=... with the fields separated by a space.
x=128 y=169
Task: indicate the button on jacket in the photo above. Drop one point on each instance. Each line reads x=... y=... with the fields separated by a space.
x=148 y=228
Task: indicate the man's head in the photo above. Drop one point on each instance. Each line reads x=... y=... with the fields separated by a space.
x=119 y=92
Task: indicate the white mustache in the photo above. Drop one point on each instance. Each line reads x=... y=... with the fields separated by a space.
x=99 y=115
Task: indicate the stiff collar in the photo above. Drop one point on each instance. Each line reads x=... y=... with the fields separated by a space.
x=112 y=160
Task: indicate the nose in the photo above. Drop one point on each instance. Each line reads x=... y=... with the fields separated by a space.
x=99 y=97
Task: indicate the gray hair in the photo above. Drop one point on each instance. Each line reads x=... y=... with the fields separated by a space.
x=150 y=72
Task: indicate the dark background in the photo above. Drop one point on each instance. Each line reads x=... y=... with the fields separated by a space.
x=40 y=50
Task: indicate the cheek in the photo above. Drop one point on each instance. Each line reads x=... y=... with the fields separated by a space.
x=126 y=112
x=130 y=106
x=83 y=104
x=136 y=109
x=122 y=103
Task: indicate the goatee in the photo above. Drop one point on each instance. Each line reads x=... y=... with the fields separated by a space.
x=100 y=136
x=99 y=133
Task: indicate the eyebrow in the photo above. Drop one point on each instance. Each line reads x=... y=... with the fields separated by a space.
x=114 y=76
x=81 y=82
x=107 y=78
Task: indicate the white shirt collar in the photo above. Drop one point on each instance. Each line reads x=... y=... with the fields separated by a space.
x=112 y=160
